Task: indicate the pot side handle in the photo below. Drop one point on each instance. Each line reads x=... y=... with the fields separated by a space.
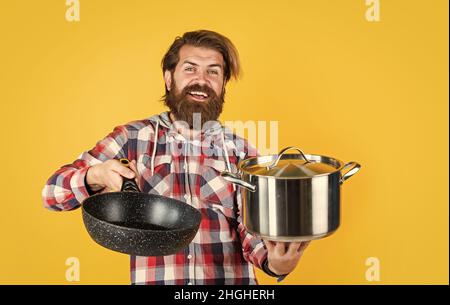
x=354 y=168
x=235 y=179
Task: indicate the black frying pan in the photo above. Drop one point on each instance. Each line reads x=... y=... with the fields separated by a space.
x=139 y=224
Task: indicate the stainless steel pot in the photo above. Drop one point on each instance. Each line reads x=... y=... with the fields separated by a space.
x=291 y=197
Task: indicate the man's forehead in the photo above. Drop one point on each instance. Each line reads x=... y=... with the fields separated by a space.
x=200 y=55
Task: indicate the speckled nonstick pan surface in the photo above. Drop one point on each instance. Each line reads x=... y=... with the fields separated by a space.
x=140 y=224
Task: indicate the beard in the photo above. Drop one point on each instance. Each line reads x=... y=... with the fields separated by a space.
x=184 y=108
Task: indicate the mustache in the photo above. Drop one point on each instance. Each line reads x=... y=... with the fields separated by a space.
x=197 y=87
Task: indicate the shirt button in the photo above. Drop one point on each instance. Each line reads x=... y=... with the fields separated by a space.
x=189 y=256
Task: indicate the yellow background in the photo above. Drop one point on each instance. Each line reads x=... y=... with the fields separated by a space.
x=339 y=85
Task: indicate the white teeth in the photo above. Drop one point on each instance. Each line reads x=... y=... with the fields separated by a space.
x=199 y=93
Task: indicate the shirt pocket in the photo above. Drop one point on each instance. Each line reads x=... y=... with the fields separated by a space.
x=160 y=183
x=215 y=191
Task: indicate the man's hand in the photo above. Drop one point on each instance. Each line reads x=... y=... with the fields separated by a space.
x=284 y=257
x=107 y=176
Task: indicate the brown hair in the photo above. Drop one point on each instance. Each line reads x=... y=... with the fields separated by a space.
x=206 y=39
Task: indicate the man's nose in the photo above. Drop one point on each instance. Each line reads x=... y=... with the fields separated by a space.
x=201 y=78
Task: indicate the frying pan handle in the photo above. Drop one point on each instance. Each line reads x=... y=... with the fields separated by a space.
x=128 y=185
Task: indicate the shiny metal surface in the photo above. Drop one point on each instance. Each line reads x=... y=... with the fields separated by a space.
x=290 y=208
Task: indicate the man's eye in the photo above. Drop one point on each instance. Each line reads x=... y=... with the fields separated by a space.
x=214 y=72
x=189 y=69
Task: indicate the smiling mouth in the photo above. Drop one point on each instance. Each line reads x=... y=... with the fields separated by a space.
x=198 y=95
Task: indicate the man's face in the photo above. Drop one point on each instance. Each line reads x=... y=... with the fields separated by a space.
x=196 y=85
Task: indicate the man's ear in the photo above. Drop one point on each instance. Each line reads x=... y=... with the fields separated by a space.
x=168 y=79
x=223 y=87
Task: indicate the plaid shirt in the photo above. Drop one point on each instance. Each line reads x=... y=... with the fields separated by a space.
x=222 y=252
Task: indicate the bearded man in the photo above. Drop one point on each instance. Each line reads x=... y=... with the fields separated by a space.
x=180 y=154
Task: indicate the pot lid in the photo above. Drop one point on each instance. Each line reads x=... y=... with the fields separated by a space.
x=291 y=166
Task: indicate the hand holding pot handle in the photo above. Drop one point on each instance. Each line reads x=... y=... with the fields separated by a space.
x=354 y=168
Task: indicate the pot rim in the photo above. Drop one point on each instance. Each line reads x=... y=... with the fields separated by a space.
x=242 y=164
